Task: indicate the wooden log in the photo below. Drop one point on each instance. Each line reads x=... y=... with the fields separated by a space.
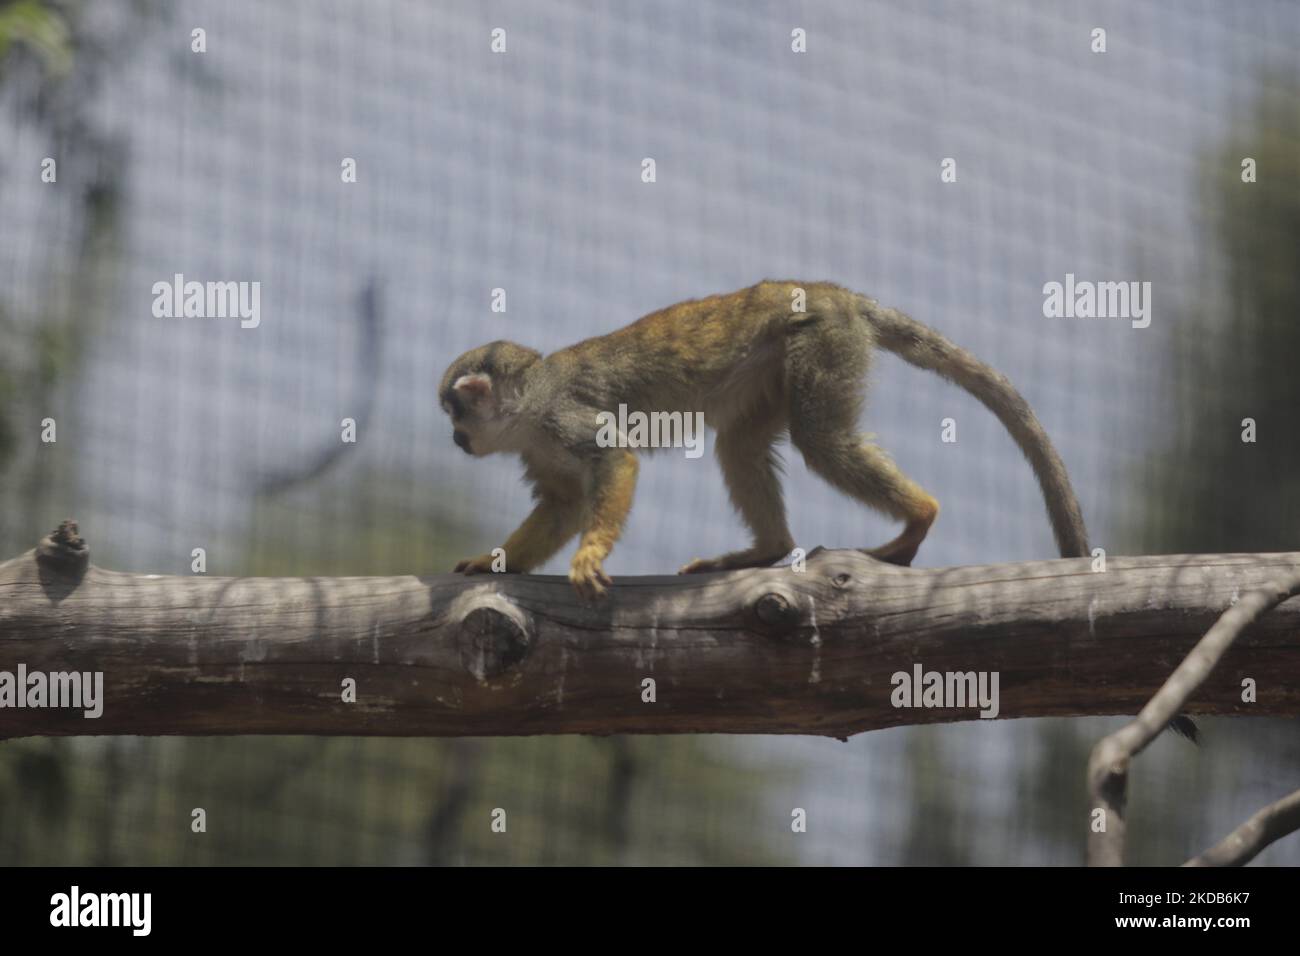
x=772 y=650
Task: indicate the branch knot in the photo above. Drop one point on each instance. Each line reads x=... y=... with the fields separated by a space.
x=64 y=549
x=492 y=640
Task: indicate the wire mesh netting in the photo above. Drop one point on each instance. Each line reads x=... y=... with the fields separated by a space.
x=949 y=159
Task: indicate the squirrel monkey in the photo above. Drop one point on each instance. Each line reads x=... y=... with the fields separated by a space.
x=758 y=370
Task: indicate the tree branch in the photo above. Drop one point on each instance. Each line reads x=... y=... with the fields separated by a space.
x=1247 y=841
x=772 y=650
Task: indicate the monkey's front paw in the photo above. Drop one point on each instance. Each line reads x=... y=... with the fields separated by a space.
x=587 y=576
x=480 y=565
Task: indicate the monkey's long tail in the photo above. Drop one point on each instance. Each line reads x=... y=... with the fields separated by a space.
x=925 y=348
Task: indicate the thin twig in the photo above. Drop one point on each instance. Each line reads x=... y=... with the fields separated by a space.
x=1246 y=842
x=1108 y=766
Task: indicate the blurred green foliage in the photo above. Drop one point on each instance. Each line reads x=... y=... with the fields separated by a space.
x=372 y=801
x=1235 y=357
x=42 y=28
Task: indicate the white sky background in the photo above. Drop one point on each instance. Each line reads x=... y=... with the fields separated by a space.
x=523 y=171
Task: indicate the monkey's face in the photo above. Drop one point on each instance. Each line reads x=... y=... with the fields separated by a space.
x=478 y=390
x=472 y=403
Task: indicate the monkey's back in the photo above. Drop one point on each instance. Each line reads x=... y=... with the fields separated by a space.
x=723 y=354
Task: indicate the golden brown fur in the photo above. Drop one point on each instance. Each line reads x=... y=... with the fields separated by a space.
x=758 y=369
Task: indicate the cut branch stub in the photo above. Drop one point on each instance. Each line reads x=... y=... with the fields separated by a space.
x=493 y=637
x=777 y=613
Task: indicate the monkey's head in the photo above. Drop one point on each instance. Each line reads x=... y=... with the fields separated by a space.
x=479 y=391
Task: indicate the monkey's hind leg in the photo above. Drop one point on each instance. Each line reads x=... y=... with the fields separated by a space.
x=825 y=364
x=752 y=472
x=868 y=474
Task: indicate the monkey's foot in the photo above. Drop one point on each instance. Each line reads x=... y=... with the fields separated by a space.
x=751 y=558
x=587 y=576
x=902 y=550
x=895 y=553
x=480 y=565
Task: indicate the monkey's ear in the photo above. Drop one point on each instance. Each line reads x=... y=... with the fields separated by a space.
x=475 y=387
